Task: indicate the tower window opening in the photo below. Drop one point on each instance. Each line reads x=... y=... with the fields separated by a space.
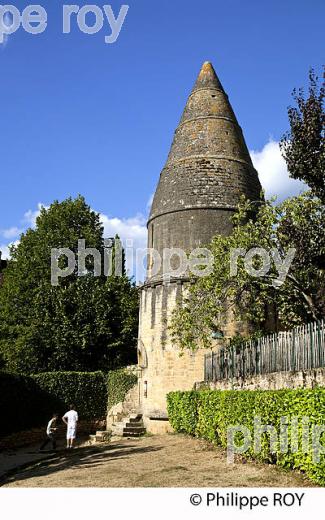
x=151 y=241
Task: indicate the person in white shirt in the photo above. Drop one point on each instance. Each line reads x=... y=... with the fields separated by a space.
x=70 y=419
x=50 y=433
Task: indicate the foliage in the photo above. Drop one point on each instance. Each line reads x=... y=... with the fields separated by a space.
x=216 y=410
x=29 y=401
x=85 y=323
x=303 y=148
x=119 y=382
x=86 y=390
x=297 y=223
x=22 y=404
x=301 y=225
x=182 y=411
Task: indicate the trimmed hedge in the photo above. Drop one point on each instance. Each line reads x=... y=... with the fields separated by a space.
x=208 y=414
x=23 y=404
x=29 y=401
x=182 y=411
x=119 y=382
x=86 y=390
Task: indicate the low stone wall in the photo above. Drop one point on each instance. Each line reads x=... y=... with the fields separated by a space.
x=157 y=426
x=274 y=381
x=121 y=410
x=37 y=435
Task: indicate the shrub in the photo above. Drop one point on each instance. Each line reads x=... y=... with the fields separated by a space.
x=182 y=411
x=22 y=403
x=29 y=401
x=87 y=390
x=209 y=413
x=119 y=382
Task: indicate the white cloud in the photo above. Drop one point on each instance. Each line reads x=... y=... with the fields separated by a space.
x=11 y=232
x=29 y=220
x=273 y=172
x=127 y=228
x=4 y=248
x=30 y=216
x=133 y=234
x=149 y=203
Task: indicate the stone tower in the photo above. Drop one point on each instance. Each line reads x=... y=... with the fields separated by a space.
x=207 y=171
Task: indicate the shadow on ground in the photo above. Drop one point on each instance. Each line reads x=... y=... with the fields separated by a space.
x=73 y=459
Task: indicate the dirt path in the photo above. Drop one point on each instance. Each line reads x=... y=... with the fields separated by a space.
x=10 y=459
x=157 y=461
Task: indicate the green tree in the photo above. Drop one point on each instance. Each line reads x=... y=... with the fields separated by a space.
x=85 y=322
x=303 y=147
x=298 y=223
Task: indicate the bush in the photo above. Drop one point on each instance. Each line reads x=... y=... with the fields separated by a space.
x=182 y=411
x=29 y=401
x=22 y=403
x=209 y=413
x=86 y=390
x=119 y=382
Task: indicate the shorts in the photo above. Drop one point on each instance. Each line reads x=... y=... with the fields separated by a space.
x=71 y=432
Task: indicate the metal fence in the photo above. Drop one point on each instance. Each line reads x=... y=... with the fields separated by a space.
x=301 y=348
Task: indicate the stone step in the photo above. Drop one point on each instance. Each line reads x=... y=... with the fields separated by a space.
x=103 y=436
x=134 y=428
x=135 y=417
x=138 y=424
x=133 y=431
x=100 y=437
x=132 y=434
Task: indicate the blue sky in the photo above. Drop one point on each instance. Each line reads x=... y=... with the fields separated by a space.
x=82 y=116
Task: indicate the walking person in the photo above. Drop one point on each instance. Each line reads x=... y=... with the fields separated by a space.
x=70 y=419
x=50 y=433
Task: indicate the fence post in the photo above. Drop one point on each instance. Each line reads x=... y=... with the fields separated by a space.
x=293 y=345
x=321 y=350
x=311 y=346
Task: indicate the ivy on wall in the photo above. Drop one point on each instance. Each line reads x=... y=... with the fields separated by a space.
x=119 y=382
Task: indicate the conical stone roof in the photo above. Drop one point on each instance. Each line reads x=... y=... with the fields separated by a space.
x=207 y=170
x=208 y=164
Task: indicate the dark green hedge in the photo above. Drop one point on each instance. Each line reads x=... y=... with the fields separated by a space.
x=119 y=382
x=209 y=413
x=23 y=404
x=28 y=401
x=87 y=390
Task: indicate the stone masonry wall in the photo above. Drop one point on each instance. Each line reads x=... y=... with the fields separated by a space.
x=163 y=369
x=274 y=381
